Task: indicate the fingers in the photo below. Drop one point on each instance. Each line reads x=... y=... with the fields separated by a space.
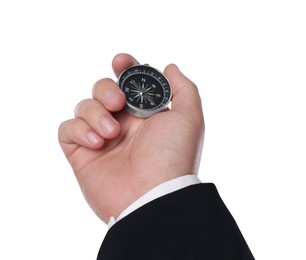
x=78 y=132
x=121 y=62
x=98 y=118
x=93 y=121
x=186 y=98
x=92 y=125
x=107 y=92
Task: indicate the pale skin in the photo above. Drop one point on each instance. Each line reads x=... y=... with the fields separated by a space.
x=117 y=157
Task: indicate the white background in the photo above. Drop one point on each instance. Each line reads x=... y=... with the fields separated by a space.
x=248 y=59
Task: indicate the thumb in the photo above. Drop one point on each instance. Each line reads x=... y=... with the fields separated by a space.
x=186 y=98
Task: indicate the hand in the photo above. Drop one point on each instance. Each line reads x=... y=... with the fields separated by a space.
x=117 y=157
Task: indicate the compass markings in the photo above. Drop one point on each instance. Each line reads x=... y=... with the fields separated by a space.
x=142 y=92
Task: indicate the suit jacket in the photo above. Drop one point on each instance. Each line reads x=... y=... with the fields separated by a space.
x=191 y=223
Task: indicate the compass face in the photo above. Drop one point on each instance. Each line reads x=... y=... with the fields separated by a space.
x=147 y=90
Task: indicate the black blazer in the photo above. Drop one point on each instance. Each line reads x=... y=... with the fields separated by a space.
x=191 y=223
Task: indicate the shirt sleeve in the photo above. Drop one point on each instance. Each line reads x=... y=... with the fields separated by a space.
x=158 y=191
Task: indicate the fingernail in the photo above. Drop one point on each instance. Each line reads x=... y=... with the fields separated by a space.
x=93 y=138
x=107 y=124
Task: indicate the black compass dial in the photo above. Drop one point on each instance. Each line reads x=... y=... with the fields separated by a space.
x=147 y=90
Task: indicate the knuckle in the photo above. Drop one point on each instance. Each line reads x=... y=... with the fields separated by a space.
x=82 y=107
x=63 y=129
x=100 y=85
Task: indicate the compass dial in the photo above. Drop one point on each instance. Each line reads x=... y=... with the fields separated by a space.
x=147 y=90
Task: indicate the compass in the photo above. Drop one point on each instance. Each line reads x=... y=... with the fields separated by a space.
x=147 y=90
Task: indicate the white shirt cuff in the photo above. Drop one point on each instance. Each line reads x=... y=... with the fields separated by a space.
x=158 y=191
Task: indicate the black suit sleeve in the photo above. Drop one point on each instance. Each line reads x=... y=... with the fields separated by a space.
x=191 y=223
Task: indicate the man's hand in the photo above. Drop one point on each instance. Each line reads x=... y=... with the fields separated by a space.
x=117 y=157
